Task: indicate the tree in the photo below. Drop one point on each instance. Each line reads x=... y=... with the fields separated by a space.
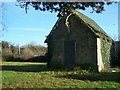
x=5 y=44
x=63 y=7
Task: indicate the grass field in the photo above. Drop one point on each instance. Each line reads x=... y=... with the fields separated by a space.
x=37 y=75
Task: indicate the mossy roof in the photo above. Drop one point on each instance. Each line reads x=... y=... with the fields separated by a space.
x=90 y=23
x=96 y=28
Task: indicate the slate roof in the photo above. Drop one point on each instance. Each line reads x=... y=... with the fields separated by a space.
x=91 y=23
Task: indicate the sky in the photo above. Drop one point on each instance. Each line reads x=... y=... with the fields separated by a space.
x=33 y=27
x=119 y=21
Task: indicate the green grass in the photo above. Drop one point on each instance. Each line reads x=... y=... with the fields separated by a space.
x=37 y=75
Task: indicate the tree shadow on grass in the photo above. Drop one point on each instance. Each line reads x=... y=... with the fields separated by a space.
x=103 y=76
x=28 y=68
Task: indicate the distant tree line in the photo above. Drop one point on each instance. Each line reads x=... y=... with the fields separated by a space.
x=12 y=52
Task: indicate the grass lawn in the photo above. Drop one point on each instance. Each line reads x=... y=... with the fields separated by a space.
x=37 y=75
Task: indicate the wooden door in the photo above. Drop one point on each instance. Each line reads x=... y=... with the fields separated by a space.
x=69 y=54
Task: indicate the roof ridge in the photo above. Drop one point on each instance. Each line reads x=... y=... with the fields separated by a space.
x=90 y=22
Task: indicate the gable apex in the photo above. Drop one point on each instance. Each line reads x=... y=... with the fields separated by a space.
x=94 y=27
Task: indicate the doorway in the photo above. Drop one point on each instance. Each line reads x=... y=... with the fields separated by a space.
x=69 y=53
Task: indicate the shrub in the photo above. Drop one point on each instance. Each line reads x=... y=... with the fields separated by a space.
x=27 y=53
x=7 y=58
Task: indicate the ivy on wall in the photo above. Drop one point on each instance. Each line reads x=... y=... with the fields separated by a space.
x=106 y=44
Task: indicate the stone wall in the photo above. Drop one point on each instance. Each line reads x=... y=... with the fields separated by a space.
x=117 y=53
x=86 y=49
x=85 y=39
